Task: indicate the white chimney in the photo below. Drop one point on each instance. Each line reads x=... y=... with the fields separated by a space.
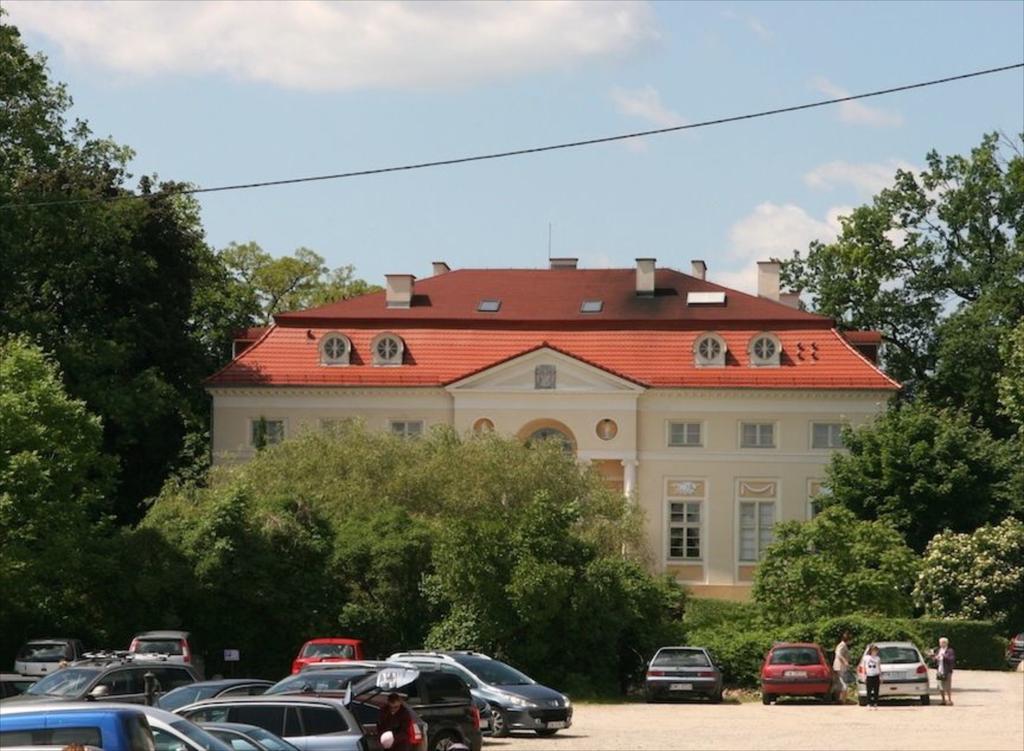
x=792 y=299
x=698 y=269
x=398 y=290
x=768 y=279
x=645 y=276
x=564 y=263
x=440 y=267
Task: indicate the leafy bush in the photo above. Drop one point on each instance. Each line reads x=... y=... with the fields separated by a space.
x=700 y=613
x=978 y=644
x=739 y=651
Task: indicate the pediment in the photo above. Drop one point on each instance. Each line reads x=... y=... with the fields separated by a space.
x=534 y=371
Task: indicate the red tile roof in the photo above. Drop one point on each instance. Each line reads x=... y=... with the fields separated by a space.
x=646 y=340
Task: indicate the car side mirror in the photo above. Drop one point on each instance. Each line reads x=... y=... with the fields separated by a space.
x=99 y=692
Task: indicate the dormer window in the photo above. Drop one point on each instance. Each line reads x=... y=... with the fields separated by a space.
x=765 y=350
x=709 y=351
x=335 y=349
x=388 y=350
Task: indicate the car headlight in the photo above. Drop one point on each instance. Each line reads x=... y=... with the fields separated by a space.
x=568 y=703
x=517 y=701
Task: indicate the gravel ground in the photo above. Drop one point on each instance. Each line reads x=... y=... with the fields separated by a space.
x=988 y=714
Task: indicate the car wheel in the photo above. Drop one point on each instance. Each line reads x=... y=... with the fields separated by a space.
x=499 y=722
x=546 y=732
x=716 y=698
x=443 y=742
x=862 y=700
x=926 y=700
x=766 y=699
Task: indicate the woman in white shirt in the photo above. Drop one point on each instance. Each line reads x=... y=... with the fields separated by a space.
x=872 y=675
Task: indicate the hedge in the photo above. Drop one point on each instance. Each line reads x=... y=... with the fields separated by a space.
x=978 y=644
x=701 y=613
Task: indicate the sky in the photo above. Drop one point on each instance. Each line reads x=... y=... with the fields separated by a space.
x=222 y=93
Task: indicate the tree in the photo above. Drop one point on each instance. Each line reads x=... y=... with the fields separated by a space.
x=832 y=565
x=922 y=470
x=54 y=479
x=977 y=575
x=294 y=282
x=1011 y=382
x=936 y=264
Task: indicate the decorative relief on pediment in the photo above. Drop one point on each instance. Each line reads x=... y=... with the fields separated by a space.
x=758 y=489
x=544 y=377
x=686 y=488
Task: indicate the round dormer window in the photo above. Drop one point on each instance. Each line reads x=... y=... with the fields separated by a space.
x=334 y=350
x=765 y=350
x=387 y=350
x=709 y=351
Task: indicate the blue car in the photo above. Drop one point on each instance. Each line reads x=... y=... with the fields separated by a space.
x=109 y=728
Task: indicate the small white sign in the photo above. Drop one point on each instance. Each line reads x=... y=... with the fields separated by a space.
x=232 y=655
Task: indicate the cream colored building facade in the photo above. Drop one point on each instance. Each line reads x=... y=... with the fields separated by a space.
x=713 y=469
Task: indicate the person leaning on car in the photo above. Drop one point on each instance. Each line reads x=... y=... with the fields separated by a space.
x=394 y=718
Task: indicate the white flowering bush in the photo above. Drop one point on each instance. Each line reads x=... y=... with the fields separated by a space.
x=977 y=575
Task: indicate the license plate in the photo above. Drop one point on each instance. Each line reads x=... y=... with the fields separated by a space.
x=681 y=687
x=897 y=676
x=796 y=673
x=559 y=724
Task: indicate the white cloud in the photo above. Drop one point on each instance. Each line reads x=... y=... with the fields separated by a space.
x=314 y=44
x=856 y=112
x=868 y=177
x=646 y=104
x=753 y=23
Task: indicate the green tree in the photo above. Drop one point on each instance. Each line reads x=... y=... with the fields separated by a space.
x=922 y=470
x=936 y=264
x=294 y=282
x=977 y=575
x=832 y=565
x=1011 y=382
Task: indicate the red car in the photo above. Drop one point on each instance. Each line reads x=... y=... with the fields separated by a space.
x=798 y=670
x=330 y=649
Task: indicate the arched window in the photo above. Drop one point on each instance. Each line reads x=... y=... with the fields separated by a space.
x=765 y=350
x=388 y=350
x=552 y=434
x=709 y=351
x=335 y=349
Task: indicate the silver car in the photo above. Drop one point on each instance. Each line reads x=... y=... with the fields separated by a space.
x=676 y=672
x=44 y=656
x=904 y=673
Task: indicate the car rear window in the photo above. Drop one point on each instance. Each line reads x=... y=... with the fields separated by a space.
x=159 y=646
x=795 y=656
x=899 y=655
x=681 y=658
x=63 y=736
x=44 y=652
x=345 y=651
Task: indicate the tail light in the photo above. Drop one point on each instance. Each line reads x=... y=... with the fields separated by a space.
x=921 y=670
x=186 y=653
x=705 y=674
x=655 y=673
x=415 y=736
x=476 y=718
x=134 y=646
x=296 y=667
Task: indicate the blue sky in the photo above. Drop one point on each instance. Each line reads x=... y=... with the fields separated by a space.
x=224 y=93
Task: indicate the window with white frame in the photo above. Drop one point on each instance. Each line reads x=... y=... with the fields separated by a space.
x=407 y=428
x=335 y=349
x=263 y=432
x=387 y=350
x=757 y=509
x=684 y=509
x=685 y=434
x=826 y=435
x=757 y=435
x=764 y=350
x=709 y=351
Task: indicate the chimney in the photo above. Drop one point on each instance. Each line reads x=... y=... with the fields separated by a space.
x=440 y=267
x=792 y=299
x=699 y=269
x=645 y=277
x=398 y=292
x=768 y=279
x=563 y=263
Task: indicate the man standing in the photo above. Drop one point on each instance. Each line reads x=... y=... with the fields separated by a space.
x=394 y=718
x=841 y=662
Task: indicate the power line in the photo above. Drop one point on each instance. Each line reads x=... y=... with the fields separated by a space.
x=520 y=152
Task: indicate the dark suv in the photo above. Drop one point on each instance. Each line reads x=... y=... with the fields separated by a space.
x=107 y=679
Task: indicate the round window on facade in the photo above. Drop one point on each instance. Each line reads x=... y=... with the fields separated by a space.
x=334 y=350
x=483 y=425
x=710 y=351
x=607 y=429
x=765 y=348
x=387 y=350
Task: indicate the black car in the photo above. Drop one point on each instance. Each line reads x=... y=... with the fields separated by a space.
x=1015 y=650
x=319 y=681
x=194 y=692
x=675 y=672
x=113 y=679
x=440 y=699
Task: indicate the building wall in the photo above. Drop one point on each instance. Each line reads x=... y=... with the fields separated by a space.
x=715 y=473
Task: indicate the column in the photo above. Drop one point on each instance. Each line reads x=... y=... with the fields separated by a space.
x=629 y=477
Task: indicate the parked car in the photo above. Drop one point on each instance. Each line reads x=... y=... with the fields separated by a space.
x=166 y=646
x=107 y=679
x=440 y=699
x=12 y=684
x=42 y=656
x=1015 y=650
x=319 y=681
x=247 y=737
x=174 y=733
x=118 y=728
x=904 y=673
x=328 y=649
x=194 y=692
x=683 y=671
x=517 y=702
x=311 y=723
x=347 y=665
x=797 y=669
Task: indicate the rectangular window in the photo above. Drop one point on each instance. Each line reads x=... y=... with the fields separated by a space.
x=407 y=428
x=757 y=528
x=826 y=435
x=816 y=491
x=685 y=434
x=264 y=432
x=684 y=509
x=757 y=435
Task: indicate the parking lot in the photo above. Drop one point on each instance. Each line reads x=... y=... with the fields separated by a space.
x=989 y=714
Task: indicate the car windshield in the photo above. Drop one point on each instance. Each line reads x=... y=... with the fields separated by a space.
x=66 y=682
x=158 y=646
x=494 y=672
x=681 y=658
x=199 y=736
x=343 y=651
x=43 y=652
x=179 y=697
x=316 y=682
x=898 y=655
x=268 y=740
x=795 y=656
